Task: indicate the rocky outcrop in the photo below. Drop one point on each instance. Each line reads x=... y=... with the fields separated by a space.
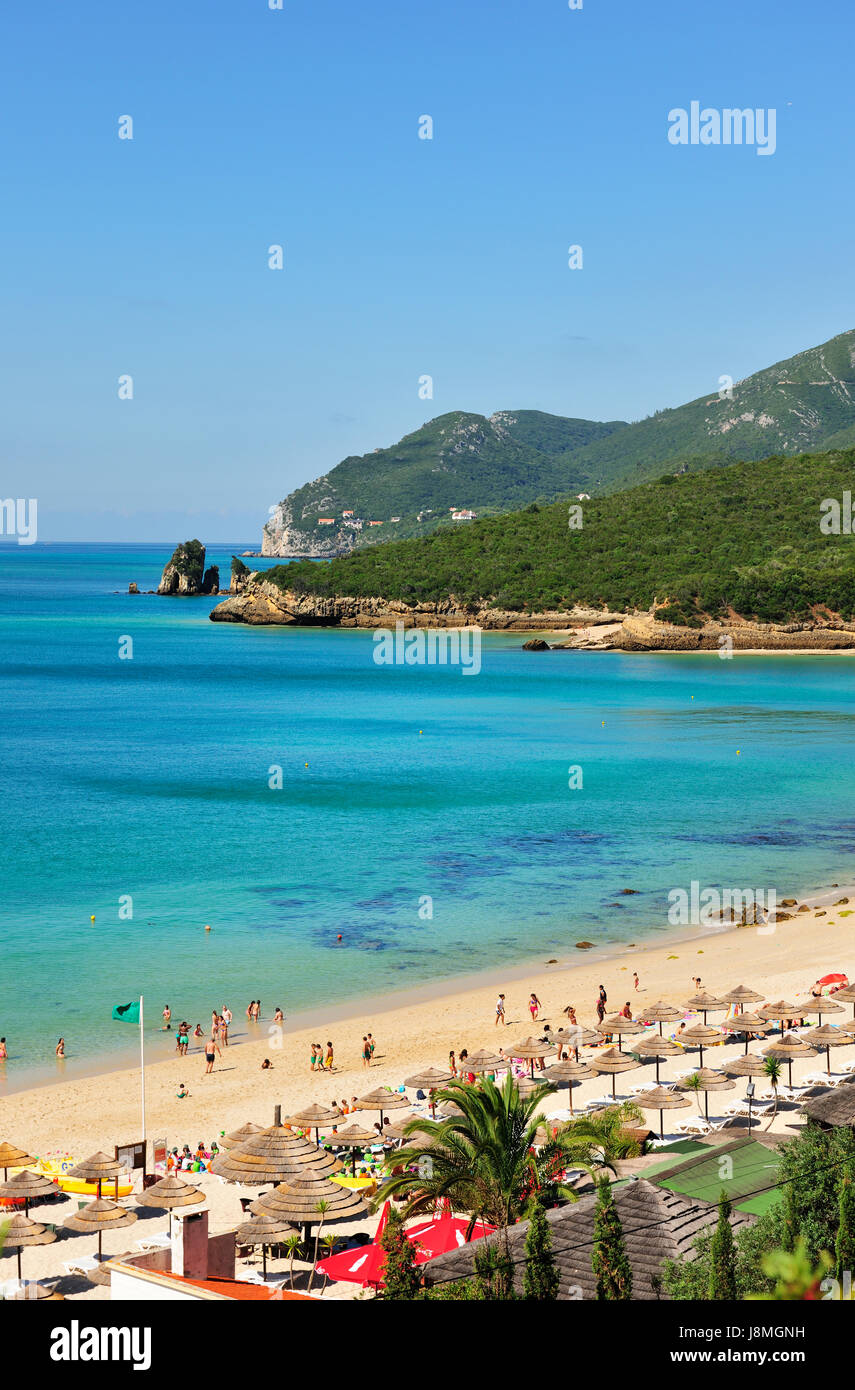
x=536 y=644
x=241 y=575
x=282 y=536
x=185 y=572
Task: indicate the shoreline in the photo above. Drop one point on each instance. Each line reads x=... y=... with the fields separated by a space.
x=417 y=1028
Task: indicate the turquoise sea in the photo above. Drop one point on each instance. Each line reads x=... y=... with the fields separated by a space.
x=147 y=779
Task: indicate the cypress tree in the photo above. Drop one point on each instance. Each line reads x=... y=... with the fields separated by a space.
x=400 y=1274
x=610 y=1263
x=723 y=1257
x=541 y=1279
x=844 y=1246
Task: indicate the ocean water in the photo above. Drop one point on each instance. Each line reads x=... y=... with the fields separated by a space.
x=424 y=815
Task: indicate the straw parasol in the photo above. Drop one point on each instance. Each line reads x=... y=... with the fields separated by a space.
x=701 y=1035
x=532 y=1050
x=100 y=1167
x=788 y=1048
x=484 y=1060
x=780 y=1011
x=749 y=1025
x=31 y=1290
x=574 y=1036
x=428 y=1080
x=707 y=1081
x=21 y=1232
x=13 y=1157
x=652 y=1045
x=828 y=1037
x=396 y=1129
x=612 y=1062
x=353 y=1138
x=660 y=1013
x=171 y=1192
x=316 y=1117
x=276 y=1154
x=743 y=995
x=27 y=1185
x=847 y=996
x=382 y=1100
x=749 y=1065
x=297 y=1202
x=822 y=1006
x=237 y=1136
x=662 y=1099
x=99 y=1216
x=620 y=1025
x=705 y=1003
x=571 y=1073
x=526 y=1085
x=264 y=1231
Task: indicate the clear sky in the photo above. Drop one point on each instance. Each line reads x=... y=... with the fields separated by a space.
x=403 y=256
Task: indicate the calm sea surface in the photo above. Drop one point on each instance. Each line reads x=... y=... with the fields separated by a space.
x=144 y=784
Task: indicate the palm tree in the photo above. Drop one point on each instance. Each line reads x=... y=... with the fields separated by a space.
x=483 y=1160
x=329 y=1244
x=601 y=1139
x=693 y=1083
x=292 y=1245
x=772 y=1071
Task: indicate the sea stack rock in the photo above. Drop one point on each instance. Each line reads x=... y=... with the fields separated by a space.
x=185 y=572
x=240 y=576
x=211 y=581
x=133 y=588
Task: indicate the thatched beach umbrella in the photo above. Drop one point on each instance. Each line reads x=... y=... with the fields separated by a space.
x=354 y=1138
x=705 y=1080
x=749 y=1065
x=382 y=1100
x=660 y=1013
x=32 y=1290
x=652 y=1045
x=276 y=1154
x=27 y=1185
x=99 y=1216
x=264 y=1231
x=612 y=1062
x=846 y=995
x=13 y=1157
x=396 y=1129
x=575 y=1036
x=532 y=1050
x=748 y=1025
x=22 y=1232
x=705 y=1003
x=620 y=1025
x=483 y=1060
x=828 y=1036
x=821 y=1007
x=662 y=1099
x=428 y=1080
x=171 y=1192
x=788 y=1048
x=701 y=1035
x=526 y=1085
x=237 y=1136
x=98 y=1168
x=297 y=1202
x=570 y=1074
x=779 y=1012
x=316 y=1117
x=743 y=995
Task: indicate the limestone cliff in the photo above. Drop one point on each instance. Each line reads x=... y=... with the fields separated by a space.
x=185 y=572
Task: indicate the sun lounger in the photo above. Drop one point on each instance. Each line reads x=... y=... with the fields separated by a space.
x=84 y=1264
x=158 y=1240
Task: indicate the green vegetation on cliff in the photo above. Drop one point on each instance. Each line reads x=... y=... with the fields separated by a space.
x=745 y=537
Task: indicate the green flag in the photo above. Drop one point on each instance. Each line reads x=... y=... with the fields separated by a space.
x=127 y=1013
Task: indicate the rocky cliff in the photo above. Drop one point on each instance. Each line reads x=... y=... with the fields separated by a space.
x=185 y=573
x=258 y=602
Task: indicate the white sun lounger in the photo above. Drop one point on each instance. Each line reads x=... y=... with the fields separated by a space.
x=84 y=1264
x=158 y=1240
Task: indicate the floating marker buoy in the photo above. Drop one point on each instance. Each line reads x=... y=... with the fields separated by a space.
x=737 y=752
x=207 y=928
x=92 y=918
x=305 y=764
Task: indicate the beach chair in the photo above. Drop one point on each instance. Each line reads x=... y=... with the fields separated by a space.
x=158 y=1240
x=83 y=1265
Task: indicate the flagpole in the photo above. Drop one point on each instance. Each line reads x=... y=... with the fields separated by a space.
x=142 y=1070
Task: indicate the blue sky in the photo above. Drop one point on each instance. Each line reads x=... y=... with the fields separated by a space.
x=403 y=256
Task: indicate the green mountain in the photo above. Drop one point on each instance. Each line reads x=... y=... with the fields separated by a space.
x=805 y=402
x=457 y=461
x=498 y=463
x=745 y=537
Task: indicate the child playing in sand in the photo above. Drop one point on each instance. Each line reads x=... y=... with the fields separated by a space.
x=182 y=1091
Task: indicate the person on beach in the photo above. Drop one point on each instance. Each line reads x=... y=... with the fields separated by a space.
x=328 y=1060
x=256 y=1011
x=167 y=1017
x=601 y=1009
x=60 y=1048
x=372 y=1044
x=249 y=1009
x=533 y=1007
x=366 y=1052
x=500 y=1010
x=227 y=1023
x=604 y=996
x=211 y=1047
x=626 y=1011
x=570 y=1013
x=197 y=1031
x=182 y=1092
x=452 y=1063
x=267 y=1065
x=3 y=1053
x=635 y=979
x=182 y=1038
x=278 y=1016
x=316 y=1055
